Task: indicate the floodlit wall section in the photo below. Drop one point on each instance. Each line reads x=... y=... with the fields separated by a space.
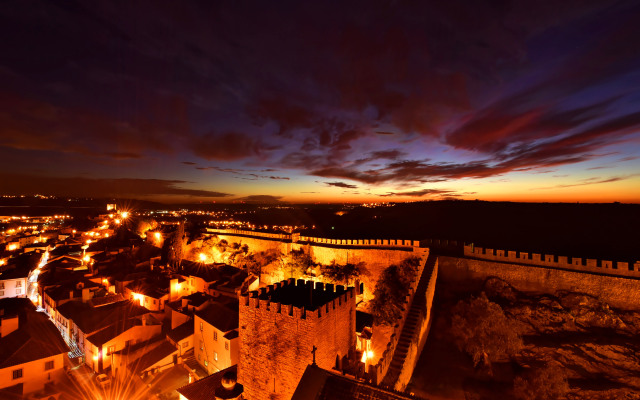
x=553 y=261
x=296 y=237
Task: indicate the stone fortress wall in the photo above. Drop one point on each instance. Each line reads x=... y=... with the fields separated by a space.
x=296 y=237
x=377 y=254
x=276 y=339
x=619 y=268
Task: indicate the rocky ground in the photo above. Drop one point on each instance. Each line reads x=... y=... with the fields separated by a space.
x=598 y=347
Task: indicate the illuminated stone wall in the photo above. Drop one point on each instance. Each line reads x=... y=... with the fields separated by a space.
x=377 y=254
x=550 y=260
x=469 y=274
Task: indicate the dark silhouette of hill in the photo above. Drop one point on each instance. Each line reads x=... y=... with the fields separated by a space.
x=610 y=231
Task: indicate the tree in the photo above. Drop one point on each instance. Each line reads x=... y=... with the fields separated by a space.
x=254 y=262
x=296 y=263
x=408 y=270
x=345 y=274
x=174 y=246
x=392 y=289
x=547 y=383
x=389 y=296
x=481 y=329
x=145 y=225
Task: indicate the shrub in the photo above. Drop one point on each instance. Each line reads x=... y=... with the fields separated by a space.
x=481 y=329
x=547 y=383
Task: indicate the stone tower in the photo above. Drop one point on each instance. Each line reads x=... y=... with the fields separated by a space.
x=279 y=327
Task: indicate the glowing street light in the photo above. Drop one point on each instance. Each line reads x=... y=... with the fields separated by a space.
x=158 y=236
x=203 y=257
x=125 y=214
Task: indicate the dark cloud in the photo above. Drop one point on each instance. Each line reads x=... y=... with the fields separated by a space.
x=421 y=193
x=588 y=181
x=95 y=187
x=227 y=146
x=341 y=185
x=188 y=163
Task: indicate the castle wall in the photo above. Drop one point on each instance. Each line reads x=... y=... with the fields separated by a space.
x=419 y=339
x=258 y=244
x=375 y=259
x=276 y=340
x=377 y=254
x=552 y=261
x=469 y=274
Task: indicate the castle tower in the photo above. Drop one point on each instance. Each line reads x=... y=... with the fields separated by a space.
x=279 y=327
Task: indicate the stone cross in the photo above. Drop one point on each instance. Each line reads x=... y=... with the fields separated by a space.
x=314 y=354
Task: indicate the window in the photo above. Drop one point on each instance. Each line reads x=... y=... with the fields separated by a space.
x=111 y=349
x=1 y=292
x=206 y=363
x=2 y=285
x=155 y=302
x=215 y=355
x=185 y=345
x=201 y=345
x=226 y=345
x=201 y=327
x=199 y=357
x=127 y=343
x=48 y=365
x=215 y=335
x=17 y=373
x=18 y=283
x=18 y=291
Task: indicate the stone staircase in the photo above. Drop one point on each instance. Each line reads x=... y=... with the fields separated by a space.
x=411 y=326
x=189 y=359
x=192 y=365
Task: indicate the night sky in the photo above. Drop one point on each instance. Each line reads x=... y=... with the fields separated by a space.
x=304 y=101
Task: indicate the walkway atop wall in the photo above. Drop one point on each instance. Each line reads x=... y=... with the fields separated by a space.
x=411 y=325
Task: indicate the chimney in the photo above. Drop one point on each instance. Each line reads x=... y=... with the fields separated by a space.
x=71 y=294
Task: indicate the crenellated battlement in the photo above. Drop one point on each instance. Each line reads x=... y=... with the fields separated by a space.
x=280 y=326
x=549 y=260
x=297 y=238
x=299 y=299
